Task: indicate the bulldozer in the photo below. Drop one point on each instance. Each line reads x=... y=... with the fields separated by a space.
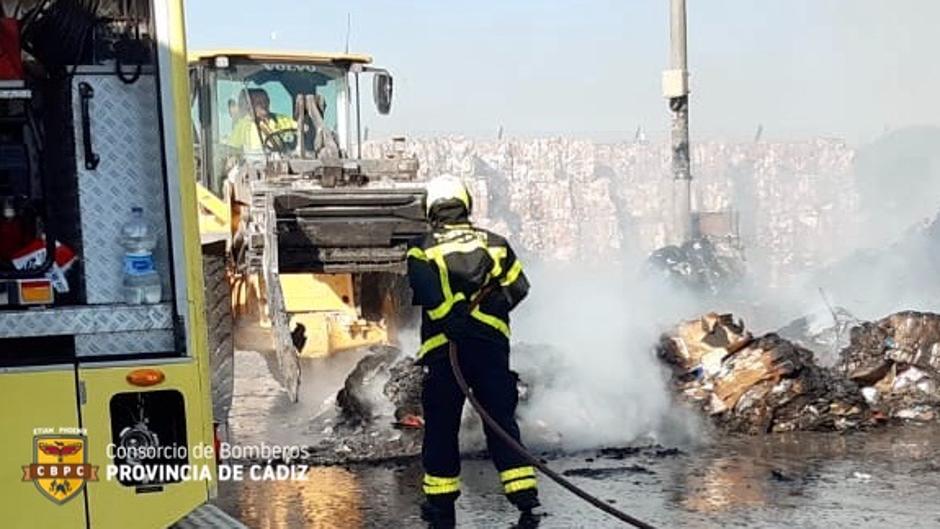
x=301 y=234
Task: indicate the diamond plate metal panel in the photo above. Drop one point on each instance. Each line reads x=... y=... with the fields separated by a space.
x=85 y=320
x=125 y=133
x=119 y=343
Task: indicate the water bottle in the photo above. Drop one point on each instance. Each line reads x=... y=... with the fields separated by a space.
x=141 y=280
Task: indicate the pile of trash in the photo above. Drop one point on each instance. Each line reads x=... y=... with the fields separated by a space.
x=385 y=383
x=888 y=369
x=760 y=384
x=699 y=265
x=376 y=415
x=379 y=414
x=896 y=361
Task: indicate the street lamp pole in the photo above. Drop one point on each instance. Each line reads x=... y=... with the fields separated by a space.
x=676 y=90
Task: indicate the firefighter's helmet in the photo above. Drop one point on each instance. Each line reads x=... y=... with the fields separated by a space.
x=447 y=188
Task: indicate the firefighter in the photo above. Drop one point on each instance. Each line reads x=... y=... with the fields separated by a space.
x=448 y=268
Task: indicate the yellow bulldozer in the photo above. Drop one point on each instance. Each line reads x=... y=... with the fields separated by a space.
x=301 y=234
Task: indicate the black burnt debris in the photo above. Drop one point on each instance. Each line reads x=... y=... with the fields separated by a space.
x=607 y=472
x=384 y=383
x=403 y=388
x=704 y=265
x=373 y=409
x=868 y=374
x=896 y=361
x=771 y=383
x=360 y=399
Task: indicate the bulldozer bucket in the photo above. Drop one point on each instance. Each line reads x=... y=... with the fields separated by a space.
x=303 y=230
x=347 y=229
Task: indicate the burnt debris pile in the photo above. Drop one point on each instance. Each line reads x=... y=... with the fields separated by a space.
x=384 y=384
x=890 y=369
x=704 y=265
x=757 y=384
x=376 y=410
x=896 y=361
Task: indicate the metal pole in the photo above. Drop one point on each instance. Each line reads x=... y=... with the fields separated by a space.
x=676 y=89
x=677 y=34
x=358 y=121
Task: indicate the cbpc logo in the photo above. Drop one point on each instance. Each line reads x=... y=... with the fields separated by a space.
x=60 y=466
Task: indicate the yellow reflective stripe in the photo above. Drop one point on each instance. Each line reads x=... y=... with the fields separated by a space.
x=438 y=485
x=516 y=473
x=446 y=248
x=444 y=275
x=492 y=321
x=437 y=253
x=498 y=253
x=449 y=299
x=436 y=480
x=520 y=484
x=432 y=343
x=516 y=479
x=441 y=489
x=417 y=253
x=441 y=310
x=512 y=274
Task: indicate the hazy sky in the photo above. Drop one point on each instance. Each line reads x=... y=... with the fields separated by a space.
x=847 y=68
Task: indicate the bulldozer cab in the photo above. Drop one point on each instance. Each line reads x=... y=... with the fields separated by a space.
x=244 y=105
x=257 y=107
x=286 y=126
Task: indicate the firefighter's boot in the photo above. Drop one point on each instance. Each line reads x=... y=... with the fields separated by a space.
x=528 y=503
x=439 y=515
x=529 y=520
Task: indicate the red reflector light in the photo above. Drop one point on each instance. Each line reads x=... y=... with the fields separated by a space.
x=36 y=291
x=145 y=377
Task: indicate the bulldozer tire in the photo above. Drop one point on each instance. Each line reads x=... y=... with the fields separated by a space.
x=220 y=324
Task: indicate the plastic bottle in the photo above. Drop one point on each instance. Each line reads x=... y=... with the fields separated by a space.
x=141 y=280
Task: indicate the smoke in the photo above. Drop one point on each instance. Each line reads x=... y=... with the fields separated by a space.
x=816 y=215
x=890 y=242
x=583 y=343
x=584 y=340
x=893 y=265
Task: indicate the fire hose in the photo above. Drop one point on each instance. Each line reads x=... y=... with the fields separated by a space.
x=521 y=450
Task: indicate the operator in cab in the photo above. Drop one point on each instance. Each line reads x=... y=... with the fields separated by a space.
x=245 y=133
x=450 y=268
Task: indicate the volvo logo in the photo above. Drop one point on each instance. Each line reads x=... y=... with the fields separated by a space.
x=281 y=67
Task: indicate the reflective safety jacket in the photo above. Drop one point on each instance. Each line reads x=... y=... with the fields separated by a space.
x=245 y=131
x=447 y=268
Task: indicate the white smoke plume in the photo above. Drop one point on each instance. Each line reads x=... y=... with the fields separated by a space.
x=584 y=339
x=583 y=343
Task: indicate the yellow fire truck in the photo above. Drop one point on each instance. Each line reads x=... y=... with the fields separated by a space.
x=103 y=355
